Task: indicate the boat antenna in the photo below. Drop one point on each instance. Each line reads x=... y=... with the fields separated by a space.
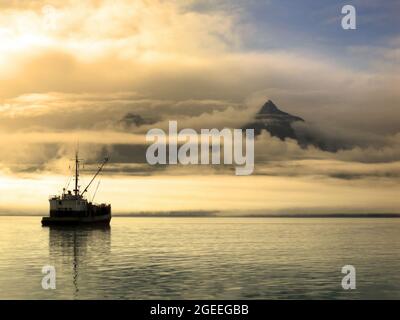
x=77 y=160
x=98 y=171
x=76 y=173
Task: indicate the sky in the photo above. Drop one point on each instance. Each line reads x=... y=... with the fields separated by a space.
x=74 y=71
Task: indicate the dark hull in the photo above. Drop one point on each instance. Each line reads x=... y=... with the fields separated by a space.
x=93 y=215
x=73 y=221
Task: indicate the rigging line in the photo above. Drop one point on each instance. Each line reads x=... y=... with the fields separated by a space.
x=68 y=182
x=97 y=187
x=98 y=171
x=98 y=184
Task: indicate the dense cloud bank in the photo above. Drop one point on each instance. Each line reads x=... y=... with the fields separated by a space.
x=107 y=83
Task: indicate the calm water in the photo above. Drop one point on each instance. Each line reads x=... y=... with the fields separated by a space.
x=202 y=258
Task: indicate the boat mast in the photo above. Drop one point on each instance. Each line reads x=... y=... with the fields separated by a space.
x=76 y=190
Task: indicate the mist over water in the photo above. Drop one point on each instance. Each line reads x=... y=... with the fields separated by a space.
x=202 y=258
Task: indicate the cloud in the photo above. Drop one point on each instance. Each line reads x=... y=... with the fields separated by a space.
x=179 y=55
x=101 y=61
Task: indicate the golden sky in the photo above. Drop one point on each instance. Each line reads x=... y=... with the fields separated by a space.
x=73 y=70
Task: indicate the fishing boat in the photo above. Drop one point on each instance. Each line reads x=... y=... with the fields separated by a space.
x=73 y=208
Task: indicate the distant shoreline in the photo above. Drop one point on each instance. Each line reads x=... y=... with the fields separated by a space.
x=218 y=214
x=330 y=215
x=337 y=215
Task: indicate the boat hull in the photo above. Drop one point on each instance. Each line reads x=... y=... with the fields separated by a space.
x=71 y=221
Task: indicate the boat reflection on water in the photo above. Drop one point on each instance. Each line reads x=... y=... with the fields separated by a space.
x=78 y=254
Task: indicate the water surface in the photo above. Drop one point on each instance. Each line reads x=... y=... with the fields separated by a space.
x=202 y=258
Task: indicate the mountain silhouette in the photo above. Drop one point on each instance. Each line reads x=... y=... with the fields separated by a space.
x=277 y=122
x=136 y=120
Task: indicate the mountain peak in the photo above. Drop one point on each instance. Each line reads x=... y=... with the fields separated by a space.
x=270 y=108
x=276 y=122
